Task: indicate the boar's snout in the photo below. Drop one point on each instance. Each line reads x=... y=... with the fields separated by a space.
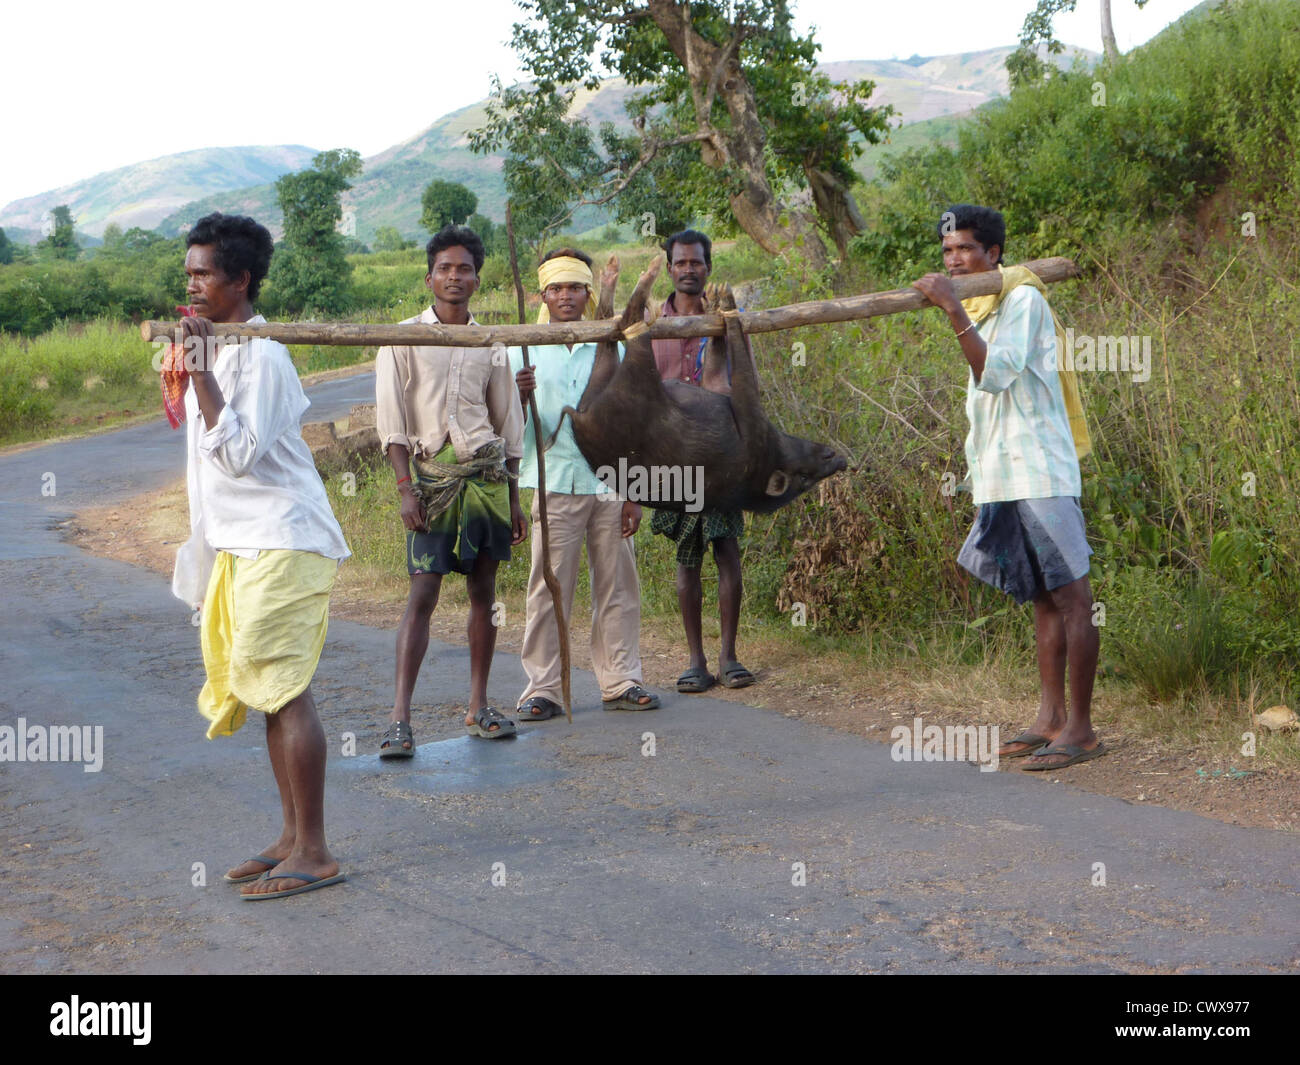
x=804 y=463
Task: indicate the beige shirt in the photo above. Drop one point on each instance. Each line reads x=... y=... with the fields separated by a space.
x=425 y=396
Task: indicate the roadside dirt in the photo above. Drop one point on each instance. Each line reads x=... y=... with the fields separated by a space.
x=146 y=532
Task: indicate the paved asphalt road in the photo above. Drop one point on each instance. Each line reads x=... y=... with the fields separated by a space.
x=612 y=860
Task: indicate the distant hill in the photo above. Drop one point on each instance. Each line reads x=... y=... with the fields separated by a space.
x=143 y=194
x=931 y=94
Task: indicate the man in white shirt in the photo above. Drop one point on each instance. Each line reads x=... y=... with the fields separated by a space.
x=450 y=422
x=1026 y=437
x=262 y=527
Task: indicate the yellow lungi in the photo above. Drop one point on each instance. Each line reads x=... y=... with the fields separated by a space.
x=263 y=627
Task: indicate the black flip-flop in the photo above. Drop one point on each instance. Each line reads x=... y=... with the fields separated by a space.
x=628 y=700
x=1074 y=755
x=737 y=676
x=695 y=680
x=1033 y=740
x=490 y=715
x=399 y=732
x=538 y=708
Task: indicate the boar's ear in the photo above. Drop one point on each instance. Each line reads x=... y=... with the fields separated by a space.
x=778 y=483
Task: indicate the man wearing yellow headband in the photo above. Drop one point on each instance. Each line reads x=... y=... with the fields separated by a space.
x=1027 y=435
x=579 y=510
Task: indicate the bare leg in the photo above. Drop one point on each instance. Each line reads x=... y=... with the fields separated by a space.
x=481 y=586
x=282 y=846
x=690 y=600
x=297 y=729
x=1049 y=638
x=726 y=553
x=1073 y=603
x=413 y=640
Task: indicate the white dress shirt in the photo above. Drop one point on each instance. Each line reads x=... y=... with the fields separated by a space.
x=252 y=482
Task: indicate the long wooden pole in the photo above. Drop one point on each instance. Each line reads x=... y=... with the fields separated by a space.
x=815 y=312
x=548 y=574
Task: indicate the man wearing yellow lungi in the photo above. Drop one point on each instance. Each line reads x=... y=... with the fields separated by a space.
x=263 y=548
x=450 y=422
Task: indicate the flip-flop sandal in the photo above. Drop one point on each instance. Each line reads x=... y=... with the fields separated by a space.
x=737 y=676
x=538 y=708
x=270 y=864
x=695 y=680
x=490 y=715
x=399 y=732
x=1074 y=755
x=1033 y=740
x=628 y=700
x=313 y=882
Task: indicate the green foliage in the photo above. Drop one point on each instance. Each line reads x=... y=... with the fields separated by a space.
x=446 y=203
x=1062 y=159
x=387 y=238
x=310 y=270
x=6 y=248
x=62 y=242
x=494 y=237
x=801 y=123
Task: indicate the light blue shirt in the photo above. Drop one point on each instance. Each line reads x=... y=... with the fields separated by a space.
x=1019 y=445
x=562 y=377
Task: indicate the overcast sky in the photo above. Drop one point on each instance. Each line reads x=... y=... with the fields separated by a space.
x=90 y=86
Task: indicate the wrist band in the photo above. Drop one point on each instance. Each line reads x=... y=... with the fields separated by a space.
x=634 y=330
x=402 y=480
x=733 y=313
x=966 y=330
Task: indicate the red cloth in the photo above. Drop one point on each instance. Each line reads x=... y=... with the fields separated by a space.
x=175 y=378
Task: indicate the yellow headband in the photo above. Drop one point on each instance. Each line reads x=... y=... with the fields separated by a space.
x=564 y=269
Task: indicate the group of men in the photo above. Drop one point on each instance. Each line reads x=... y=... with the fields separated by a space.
x=264 y=544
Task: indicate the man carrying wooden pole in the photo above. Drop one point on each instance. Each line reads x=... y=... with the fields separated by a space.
x=1027 y=435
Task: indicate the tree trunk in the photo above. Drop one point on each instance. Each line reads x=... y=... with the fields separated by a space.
x=713 y=74
x=836 y=206
x=1108 y=33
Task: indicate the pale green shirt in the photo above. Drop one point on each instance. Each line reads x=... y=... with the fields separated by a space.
x=1019 y=445
x=562 y=377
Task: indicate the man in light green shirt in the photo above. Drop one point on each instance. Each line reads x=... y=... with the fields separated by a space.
x=1029 y=538
x=579 y=509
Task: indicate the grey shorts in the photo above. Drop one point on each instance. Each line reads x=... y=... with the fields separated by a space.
x=1026 y=546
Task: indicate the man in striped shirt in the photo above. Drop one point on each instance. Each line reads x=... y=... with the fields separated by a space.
x=1023 y=454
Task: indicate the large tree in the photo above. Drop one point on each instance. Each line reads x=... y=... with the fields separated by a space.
x=733 y=120
x=6 y=248
x=1024 y=65
x=62 y=240
x=310 y=270
x=446 y=203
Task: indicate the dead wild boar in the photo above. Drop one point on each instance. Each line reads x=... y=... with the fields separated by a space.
x=627 y=412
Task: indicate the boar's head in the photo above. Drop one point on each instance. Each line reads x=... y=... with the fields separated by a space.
x=798 y=465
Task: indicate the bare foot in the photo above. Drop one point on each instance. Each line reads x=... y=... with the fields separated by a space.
x=320 y=865
x=249 y=866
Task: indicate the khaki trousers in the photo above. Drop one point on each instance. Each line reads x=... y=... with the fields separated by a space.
x=615 y=596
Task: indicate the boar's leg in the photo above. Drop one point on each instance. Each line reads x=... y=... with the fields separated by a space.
x=606 y=362
x=713 y=376
x=745 y=404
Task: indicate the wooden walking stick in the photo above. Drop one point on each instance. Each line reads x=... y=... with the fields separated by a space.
x=548 y=574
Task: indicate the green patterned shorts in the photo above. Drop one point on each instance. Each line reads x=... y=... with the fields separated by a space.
x=692 y=530
x=476 y=522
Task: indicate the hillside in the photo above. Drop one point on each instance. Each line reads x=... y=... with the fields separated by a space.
x=388 y=193
x=143 y=194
